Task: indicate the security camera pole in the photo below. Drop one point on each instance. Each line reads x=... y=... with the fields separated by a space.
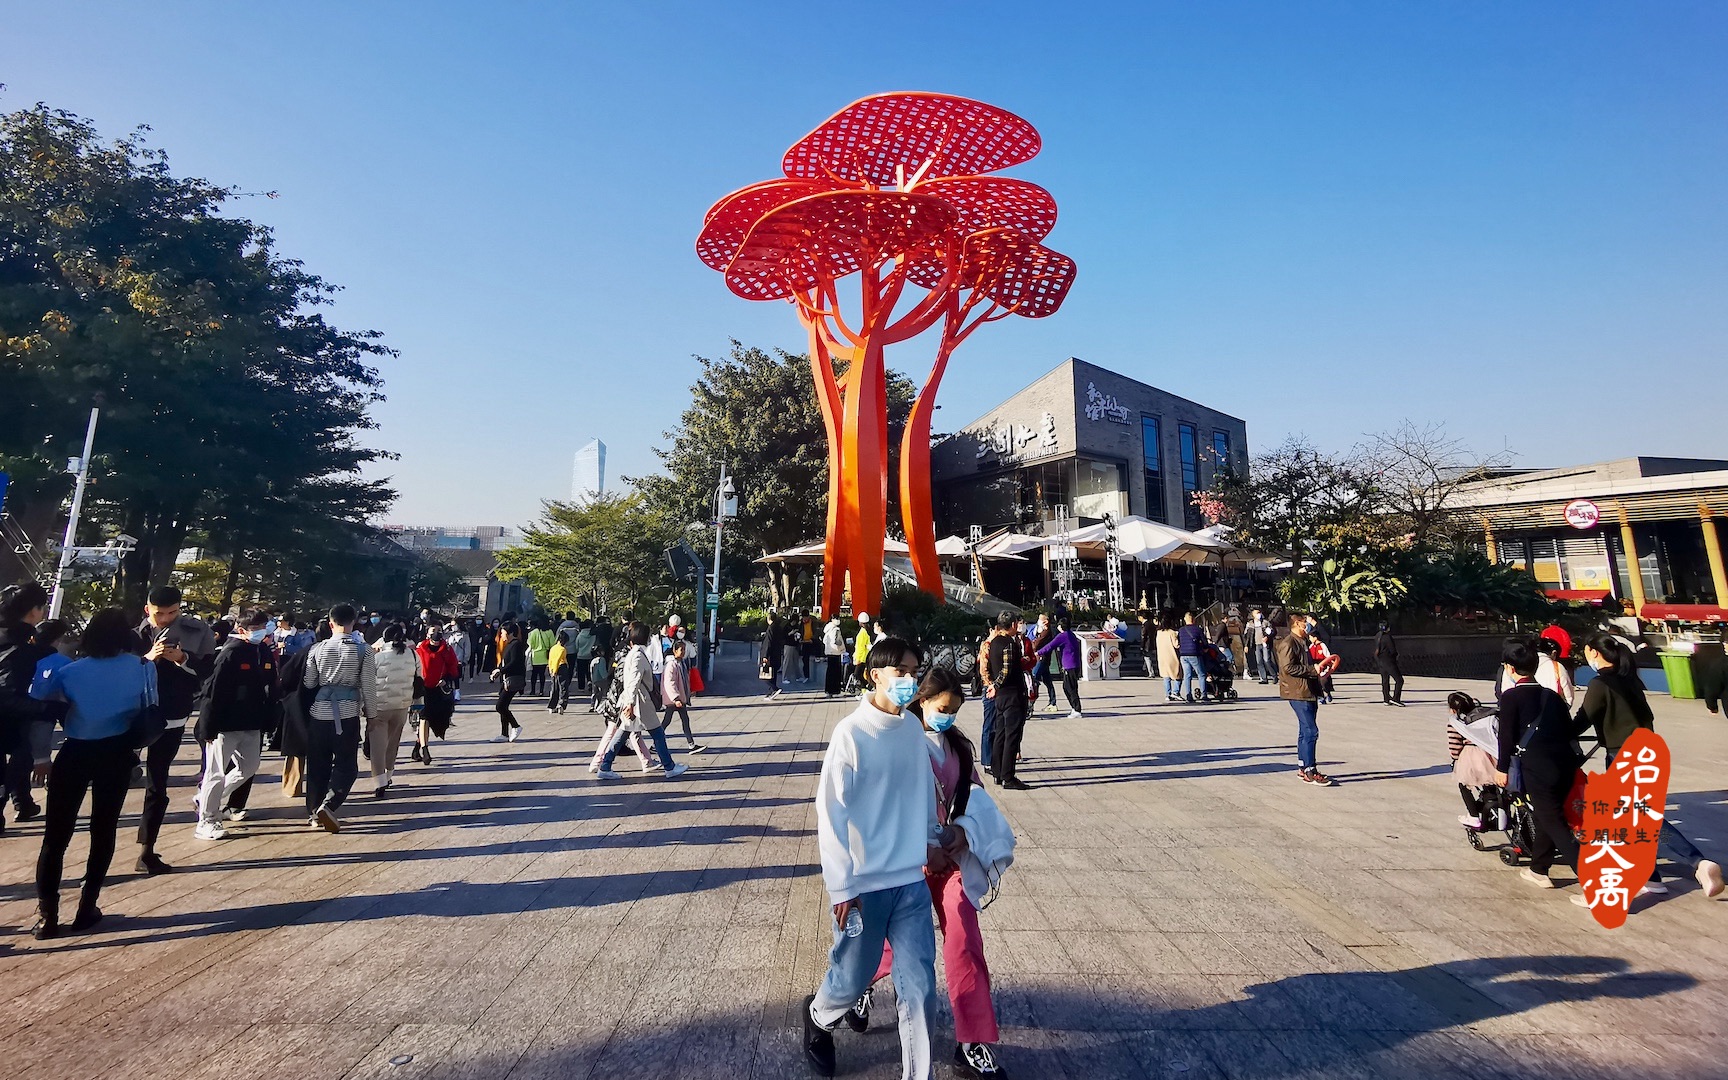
x=80 y=466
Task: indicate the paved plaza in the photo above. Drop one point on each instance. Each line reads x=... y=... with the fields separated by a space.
x=1181 y=907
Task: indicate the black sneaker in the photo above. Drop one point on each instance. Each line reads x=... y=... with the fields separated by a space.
x=858 y=1016
x=818 y=1042
x=45 y=928
x=976 y=1061
x=27 y=813
x=151 y=864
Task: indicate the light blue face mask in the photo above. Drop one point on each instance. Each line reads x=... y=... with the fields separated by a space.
x=902 y=690
x=941 y=721
x=257 y=636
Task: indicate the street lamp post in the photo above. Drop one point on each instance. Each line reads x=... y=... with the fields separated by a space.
x=725 y=506
x=67 y=551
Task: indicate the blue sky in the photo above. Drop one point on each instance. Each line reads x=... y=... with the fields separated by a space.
x=1320 y=217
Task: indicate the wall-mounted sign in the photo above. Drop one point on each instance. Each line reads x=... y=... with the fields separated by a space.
x=1006 y=441
x=1582 y=514
x=1101 y=406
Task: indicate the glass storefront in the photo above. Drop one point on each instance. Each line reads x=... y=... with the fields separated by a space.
x=1025 y=496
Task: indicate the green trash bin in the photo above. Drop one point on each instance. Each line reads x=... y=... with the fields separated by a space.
x=1678 y=667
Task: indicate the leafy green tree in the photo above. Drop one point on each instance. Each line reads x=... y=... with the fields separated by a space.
x=230 y=406
x=604 y=556
x=757 y=413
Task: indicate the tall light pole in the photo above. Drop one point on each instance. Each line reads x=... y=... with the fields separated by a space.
x=80 y=466
x=725 y=506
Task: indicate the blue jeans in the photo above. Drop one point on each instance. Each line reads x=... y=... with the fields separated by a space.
x=1263 y=662
x=989 y=730
x=901 y=917
x=660 y=747
x=1307 y=731
x=1191 y=669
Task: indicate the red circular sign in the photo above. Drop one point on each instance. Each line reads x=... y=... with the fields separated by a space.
x=1582 y=514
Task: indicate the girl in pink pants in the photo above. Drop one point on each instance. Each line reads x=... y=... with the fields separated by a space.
x=939 y=699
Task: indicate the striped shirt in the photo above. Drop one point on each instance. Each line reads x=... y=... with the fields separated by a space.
x=343 y=665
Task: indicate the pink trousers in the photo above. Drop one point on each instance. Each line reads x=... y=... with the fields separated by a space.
x=963 y=959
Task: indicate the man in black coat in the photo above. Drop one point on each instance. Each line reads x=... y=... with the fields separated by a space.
x=184 y=651
x=1005 y=682
x=21 y=608
x=238 y=706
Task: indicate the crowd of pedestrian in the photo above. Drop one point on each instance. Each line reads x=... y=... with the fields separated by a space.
x=88 y=715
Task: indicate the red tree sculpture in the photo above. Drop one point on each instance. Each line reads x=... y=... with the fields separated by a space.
x=892 y=188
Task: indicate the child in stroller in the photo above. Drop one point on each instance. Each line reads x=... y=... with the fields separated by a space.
x=1472 y=741
x=1220 y=668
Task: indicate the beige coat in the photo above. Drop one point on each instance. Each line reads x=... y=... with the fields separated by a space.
x=1169 y=665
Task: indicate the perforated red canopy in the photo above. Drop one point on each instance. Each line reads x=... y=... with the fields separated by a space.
x=887 y=138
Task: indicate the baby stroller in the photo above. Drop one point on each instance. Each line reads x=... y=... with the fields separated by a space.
x=1473 y=738
x=1220 y=671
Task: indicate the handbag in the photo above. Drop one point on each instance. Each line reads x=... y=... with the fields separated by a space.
x=766 y=671
x=146 y=724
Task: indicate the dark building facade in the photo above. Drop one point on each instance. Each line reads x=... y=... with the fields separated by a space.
x=1089 y=439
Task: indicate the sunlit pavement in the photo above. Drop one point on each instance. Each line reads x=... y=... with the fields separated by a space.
x=1181 y=906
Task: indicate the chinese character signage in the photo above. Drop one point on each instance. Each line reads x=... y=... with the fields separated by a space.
x=1006 y=441
x=1102 y=406
x=1623 y=812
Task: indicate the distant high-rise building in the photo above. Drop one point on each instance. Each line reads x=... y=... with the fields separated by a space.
x=589 y=476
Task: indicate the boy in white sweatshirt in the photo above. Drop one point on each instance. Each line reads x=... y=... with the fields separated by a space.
x=876 y=826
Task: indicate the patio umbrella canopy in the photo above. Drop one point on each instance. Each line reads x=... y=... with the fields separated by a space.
x=1151 y=541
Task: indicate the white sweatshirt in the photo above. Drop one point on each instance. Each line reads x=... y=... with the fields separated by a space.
x=875 y=804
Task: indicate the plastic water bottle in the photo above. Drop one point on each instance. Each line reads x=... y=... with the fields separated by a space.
x=854 y=923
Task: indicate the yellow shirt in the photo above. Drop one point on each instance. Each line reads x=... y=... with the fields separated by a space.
x=861 y=649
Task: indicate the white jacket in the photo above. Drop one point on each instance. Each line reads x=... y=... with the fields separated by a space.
x=832 y=642
x=395 y=680
x=875 y=804
x=989 y=846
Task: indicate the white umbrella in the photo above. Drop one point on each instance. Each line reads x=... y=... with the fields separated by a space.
x=1152 y=541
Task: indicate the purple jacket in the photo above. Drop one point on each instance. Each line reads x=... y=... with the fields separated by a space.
x=1071 y=649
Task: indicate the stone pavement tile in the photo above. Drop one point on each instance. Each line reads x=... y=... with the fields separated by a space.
x=1452 y=1053
x=1066 y=1055
x=1154 y=953
x=1243 y=1055
x=1172 y=1055
x=1214 y=953
x=1028 y=952
x=1093 y=952
x=1332 y=1055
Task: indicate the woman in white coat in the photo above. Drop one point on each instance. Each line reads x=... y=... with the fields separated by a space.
x=636 y=710
x=397 y=667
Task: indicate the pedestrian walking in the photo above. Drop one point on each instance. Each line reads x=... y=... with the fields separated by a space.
x=973 y=830
x=540 y=640
x=1550 y=672
x=1386 y=662
x=773 y=653
x=582 y=651
x=183 y=650
x=792 y=651
x=809 y=642
x=876 y=823
x=1299 y=684
x=106 y=692
x=398 y=678
x=1537 y=739
x=1190 y=647
x=675 y=693
x=511 y=675
x=1260 y=636
x=861 y=644
x=1043 y=671
x=986 y=703
x=343 y=676
x=239 y=705
x=1005 y=682
x=560 y=669
x=1066 y=647
x=1614 y=707
x=453 y=636
x=833 y=657
x=636 y=710
x=1169 y=659
x=22 y=609
x=441 y=679
x=477 y=642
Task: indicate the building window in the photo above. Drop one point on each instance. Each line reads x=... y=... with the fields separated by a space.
x=1098 y=489
x=1220 y=452
x=1188 y=443
x=1152 y=449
